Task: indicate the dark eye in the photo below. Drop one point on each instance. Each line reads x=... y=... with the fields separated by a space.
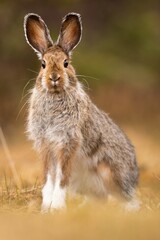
x=65 y=63
x=43 y=64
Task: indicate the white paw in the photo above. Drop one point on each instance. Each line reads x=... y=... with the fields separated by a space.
x=58 y=200
x=59 y=206
x=47 y=193
x=56 y=204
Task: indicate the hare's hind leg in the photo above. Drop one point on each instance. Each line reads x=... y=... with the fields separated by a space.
x=125 y=177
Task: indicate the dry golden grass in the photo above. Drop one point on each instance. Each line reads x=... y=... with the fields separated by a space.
x=19 y=207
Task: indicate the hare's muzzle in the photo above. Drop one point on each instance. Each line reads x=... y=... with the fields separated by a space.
x=54 y=78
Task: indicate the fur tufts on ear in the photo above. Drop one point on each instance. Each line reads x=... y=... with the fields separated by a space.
x=70 y=32
x=37 y=33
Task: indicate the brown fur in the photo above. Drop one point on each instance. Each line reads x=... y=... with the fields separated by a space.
x=70 y=33
x=37 y=33
x=54 y=59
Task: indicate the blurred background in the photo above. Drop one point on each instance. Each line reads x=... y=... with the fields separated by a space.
x=118 y=58
x=119 y=63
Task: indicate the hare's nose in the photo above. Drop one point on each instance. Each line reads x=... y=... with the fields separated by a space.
x=54 y=77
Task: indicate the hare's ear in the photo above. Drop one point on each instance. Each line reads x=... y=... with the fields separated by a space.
x=37 y=33
x=70 y=32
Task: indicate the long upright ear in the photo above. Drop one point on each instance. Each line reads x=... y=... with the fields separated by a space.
x=37 y=33
x=70 y=32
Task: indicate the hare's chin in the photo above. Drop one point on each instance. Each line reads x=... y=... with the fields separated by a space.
x=52 y=89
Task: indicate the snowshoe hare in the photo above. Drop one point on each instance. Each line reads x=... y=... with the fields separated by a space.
x=82 y=148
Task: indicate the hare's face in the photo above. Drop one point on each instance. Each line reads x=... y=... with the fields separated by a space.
x=56 y=71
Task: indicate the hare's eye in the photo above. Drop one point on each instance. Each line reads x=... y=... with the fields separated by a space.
x=43 y=64
x=65 y=63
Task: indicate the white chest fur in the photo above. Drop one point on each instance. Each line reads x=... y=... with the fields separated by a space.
x=52 y=118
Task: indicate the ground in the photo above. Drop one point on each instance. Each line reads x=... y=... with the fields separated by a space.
x=19 y=207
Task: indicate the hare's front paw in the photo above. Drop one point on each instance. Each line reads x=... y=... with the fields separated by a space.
x=57 y=203
x=58 y=199
x=47 y=193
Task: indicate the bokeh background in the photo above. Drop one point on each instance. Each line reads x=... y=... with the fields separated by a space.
x=120 y=49
x=119 y=63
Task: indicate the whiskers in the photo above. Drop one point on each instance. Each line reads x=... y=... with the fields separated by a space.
x=24 y=96
x=87 y=77
x=83 y=77
x=30 y=70
x=32 y=79
x=25 y=92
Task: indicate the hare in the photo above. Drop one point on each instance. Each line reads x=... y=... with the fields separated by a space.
x=82 y=148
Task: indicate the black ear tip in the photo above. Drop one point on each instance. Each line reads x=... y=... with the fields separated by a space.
x=31 y=16
x=72 y=15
